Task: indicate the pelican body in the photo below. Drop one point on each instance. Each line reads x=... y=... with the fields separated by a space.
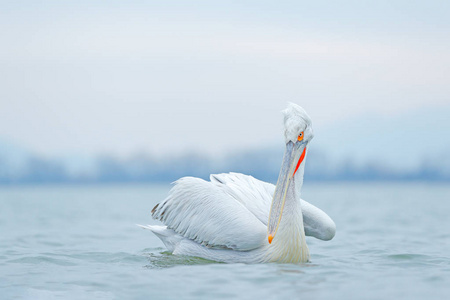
x=237 y=218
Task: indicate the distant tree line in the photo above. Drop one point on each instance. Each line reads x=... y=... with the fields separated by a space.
x=262 y=164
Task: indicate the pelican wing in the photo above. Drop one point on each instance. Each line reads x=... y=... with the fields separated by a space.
x=208 y=213
x=231 y=211
x=256 y=196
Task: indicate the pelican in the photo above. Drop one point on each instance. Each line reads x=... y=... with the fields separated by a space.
x=236 y=218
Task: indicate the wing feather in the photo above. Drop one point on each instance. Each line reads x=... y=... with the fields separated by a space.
x=231 y=211
x=206 y=213
x=254 y=194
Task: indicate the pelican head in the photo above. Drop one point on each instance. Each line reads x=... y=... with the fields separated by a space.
x=296 y=122
x=298 y=133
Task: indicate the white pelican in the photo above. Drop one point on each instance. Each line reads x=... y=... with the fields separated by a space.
x=230 y=219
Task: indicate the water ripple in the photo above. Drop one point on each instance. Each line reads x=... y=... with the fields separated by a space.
x=42 y=260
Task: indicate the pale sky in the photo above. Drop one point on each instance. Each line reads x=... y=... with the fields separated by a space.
x=161 y=77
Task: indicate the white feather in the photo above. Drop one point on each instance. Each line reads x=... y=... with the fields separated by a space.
x=206 y=213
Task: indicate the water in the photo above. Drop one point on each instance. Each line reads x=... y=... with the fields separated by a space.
x=81 y=242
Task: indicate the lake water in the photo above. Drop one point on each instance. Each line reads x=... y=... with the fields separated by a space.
x=81 y=242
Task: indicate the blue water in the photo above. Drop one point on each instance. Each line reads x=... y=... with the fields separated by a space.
x=81 y=242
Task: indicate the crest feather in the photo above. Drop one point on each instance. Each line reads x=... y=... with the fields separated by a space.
x=296 y=120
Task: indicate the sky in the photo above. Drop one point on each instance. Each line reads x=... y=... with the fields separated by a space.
x=163 y=77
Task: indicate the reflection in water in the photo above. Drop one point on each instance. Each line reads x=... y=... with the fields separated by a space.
x=158 y=258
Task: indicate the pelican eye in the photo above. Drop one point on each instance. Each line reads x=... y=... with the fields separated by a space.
x=300 y=136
